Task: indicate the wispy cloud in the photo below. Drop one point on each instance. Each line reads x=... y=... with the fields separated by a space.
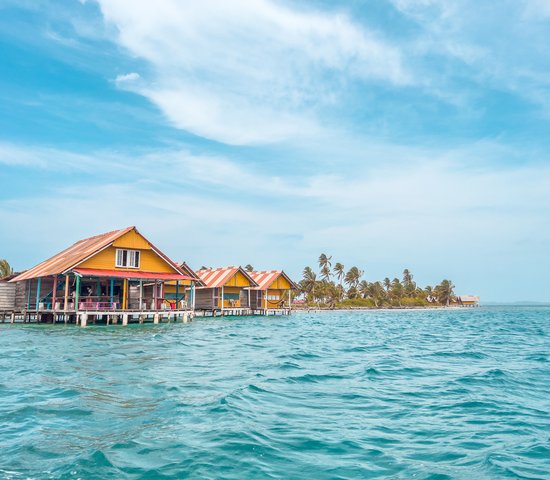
x=244 y=72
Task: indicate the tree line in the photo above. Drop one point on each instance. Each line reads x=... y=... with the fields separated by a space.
x=334 y=286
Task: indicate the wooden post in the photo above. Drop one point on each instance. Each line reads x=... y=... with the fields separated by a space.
x=249 y=304
x=124 y=319
x=125 y=294
x=77 y=294
x=38 y=292
x=29 y=288
x=289 y=301
x=177 y=293
x=66 y=299
x=54 y=295
x=141 y=294
x=222 y=299
x=112 y=290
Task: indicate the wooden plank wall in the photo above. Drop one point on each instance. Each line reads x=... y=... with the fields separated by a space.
x=7 y=296
x=203 y=299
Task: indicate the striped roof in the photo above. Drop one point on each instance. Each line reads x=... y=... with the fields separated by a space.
x=218 y=277
x=266 y=278
x=78 y=252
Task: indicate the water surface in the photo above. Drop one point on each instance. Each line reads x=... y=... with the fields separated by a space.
x=378 y=394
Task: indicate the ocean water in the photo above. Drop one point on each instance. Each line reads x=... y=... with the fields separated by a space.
x=442 y=394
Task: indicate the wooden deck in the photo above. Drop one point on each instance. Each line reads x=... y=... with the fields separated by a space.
x=235 y=312
x=84 y=318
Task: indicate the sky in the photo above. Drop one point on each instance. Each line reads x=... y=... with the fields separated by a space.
x=389 y=134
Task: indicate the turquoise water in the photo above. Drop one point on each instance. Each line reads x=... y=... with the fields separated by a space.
x=413 y=394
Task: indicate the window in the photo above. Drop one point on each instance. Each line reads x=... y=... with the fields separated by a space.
x=127 y=258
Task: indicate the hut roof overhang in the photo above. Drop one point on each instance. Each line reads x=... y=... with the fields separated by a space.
x=93 y=272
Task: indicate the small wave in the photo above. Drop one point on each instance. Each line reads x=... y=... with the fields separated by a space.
x=471 y=355
x=315 y=378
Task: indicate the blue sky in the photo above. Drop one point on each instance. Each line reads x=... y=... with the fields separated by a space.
x=388 y=133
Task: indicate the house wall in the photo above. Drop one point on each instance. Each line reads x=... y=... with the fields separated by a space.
x=281 y=283
x=149 y=261
x=7 y=295
x=204 y=298
x=237 y=280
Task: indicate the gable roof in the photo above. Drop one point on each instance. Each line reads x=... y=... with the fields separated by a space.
x=189 y=271
x=80 y=251
x=265 y=278
x=218 y=277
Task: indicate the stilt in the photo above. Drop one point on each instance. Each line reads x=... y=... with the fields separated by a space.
x=83 y=319
x=125 y=320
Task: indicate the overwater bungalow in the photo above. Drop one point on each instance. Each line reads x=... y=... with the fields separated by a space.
x=183 y=292
x=226 y=290
x=273 y=293
x=468 y=300
x=119 y=275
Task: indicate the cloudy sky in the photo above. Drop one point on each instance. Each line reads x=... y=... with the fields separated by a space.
x=388 y=133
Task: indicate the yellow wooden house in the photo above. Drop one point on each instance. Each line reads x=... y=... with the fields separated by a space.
x=273 y=293
x=226 y=288
x=118 y=271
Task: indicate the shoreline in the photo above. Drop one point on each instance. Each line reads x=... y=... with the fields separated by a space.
x=389 y=309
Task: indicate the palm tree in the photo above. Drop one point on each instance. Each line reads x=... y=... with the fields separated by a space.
x=364 y=289
x=408 y=284
x=339 y=271
x=445 y=292
x=396 y=290
x=249 y=268
x=5 y=269
x=387 y=284
x=377 y=293
x=325 y=273
x=353 y=277
x=324 y=260
x=309 y=281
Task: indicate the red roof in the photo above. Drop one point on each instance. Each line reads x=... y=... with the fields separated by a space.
x=94 y=272
x=266 y=278
x=218 y=277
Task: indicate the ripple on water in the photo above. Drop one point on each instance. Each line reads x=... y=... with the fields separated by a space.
x=334 y=395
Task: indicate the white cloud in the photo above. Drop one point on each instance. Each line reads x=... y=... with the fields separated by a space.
x=497 y=46
x=247 y=71
x=128 y=77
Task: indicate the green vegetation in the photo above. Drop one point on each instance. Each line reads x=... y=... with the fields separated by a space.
x=334 y=287
x=5 y=269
